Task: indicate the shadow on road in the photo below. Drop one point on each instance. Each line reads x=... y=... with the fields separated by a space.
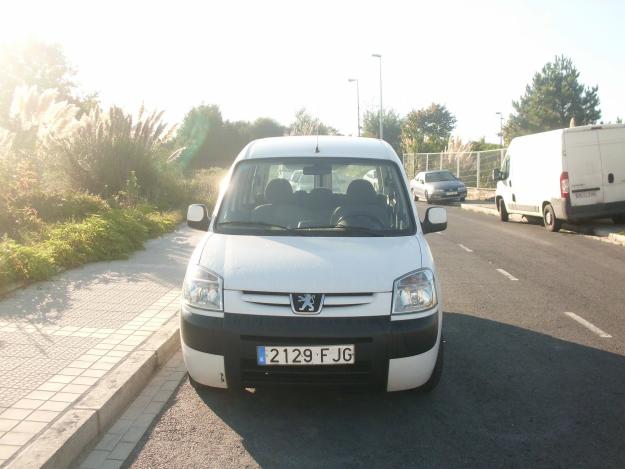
x=509 y=397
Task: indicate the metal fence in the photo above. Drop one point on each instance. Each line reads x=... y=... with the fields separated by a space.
x=473 y=168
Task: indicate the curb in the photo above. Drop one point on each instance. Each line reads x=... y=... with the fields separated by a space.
x=79 y=427
x=11 y=287
x=617 y=238
x=480 y=209
x=592 y=233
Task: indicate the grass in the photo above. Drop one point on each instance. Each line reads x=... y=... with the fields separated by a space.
x=111 y=235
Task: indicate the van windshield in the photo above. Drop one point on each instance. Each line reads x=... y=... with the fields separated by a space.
x=316 y=197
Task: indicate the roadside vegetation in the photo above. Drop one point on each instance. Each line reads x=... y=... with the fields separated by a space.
x=81 y=183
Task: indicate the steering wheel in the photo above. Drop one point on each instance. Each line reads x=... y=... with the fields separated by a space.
x=352 y=220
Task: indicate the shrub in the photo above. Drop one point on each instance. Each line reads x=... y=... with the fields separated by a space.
x=110 y=148
x=111 y=235
x=62 y=206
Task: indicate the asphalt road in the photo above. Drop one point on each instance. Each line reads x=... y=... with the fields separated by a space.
x=524 y=384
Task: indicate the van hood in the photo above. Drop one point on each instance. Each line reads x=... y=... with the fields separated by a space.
x=310 y=264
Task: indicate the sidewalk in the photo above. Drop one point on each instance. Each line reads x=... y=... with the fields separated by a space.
x=59 y=338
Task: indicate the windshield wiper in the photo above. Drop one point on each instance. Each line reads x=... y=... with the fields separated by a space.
x=355 y=229
x=253 y=224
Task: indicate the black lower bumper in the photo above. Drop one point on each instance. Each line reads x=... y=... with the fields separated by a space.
x=565 y=211
x=376 y=339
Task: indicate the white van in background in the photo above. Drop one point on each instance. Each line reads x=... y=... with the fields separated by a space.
x=564 y=175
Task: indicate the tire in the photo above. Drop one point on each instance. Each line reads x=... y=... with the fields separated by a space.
x=415 y=197
x=438 y=371
x=503 y=212
x=619 y=219
x=551 y=221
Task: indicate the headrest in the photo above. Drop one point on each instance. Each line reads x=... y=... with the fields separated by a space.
x=361 y=192
x=278 y=191
x=320 y=196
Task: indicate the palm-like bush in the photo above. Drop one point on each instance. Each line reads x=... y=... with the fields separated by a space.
x=110 y=147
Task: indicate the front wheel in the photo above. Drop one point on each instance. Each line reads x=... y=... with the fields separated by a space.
x=503 y=213
x=415 y=196
x=551 y=221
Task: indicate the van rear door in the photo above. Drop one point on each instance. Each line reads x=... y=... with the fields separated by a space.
x=612 y=149
x=583 y=164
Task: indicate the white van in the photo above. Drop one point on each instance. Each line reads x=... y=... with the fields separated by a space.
x=568 y=174
x=332 y=286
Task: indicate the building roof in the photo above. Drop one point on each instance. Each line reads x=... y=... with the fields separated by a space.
x=328 y=146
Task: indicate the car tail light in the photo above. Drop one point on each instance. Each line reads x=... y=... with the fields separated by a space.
x=564 y=185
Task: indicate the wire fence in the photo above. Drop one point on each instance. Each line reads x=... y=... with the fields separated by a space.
x=473 y=168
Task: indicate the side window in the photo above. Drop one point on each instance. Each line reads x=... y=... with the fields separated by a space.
x=505 y=167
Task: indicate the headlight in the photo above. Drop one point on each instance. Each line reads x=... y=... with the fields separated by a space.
x=414 y=292
x=203 y=289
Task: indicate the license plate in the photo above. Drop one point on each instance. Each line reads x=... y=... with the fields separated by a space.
x=585 y=194
x=452 y=192
x=305 y=355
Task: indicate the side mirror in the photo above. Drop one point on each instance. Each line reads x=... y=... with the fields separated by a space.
x=496 y=175
x=435 y=220
x=197 y=217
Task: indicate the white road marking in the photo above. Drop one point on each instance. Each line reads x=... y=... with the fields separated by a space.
x=588 y=325
x=507 y=274
x=439 y=233
x=465 y=248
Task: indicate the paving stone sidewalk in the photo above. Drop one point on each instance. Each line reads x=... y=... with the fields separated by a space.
x=58 y=338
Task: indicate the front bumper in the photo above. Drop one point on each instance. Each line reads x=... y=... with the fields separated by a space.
x=222 y=351
x=443 y=196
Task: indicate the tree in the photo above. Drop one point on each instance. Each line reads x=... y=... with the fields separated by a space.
x=482 y=145
x=428 y=129
x=391 y=127
x=209 y=140
x=266 y=127
x=197 y=133
x=33 y=64
x=553 y=100
x=305 y=124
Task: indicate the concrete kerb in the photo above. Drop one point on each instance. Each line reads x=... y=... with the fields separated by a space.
x=80 y=426
x=480 y=209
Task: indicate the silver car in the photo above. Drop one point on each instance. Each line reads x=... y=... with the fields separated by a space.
x=437 y=186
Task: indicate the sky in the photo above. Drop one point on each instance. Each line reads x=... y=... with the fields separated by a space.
x=271 y=58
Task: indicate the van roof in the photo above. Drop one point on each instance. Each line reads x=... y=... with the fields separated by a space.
x=581 y=128
x=328 y=146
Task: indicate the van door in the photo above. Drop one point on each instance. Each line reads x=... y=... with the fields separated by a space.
x=504 y=186
x=583 y=164
x=612 y=149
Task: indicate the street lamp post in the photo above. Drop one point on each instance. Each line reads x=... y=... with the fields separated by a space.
x=351 y=80
x=500 y=128
x=379 y=56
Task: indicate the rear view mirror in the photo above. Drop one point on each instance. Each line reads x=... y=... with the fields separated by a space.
x=435 y=220
x=496 y=175
x=317 y=170
x=197 y=217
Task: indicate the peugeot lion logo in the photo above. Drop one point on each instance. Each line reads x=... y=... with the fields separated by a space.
x=306 y=303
